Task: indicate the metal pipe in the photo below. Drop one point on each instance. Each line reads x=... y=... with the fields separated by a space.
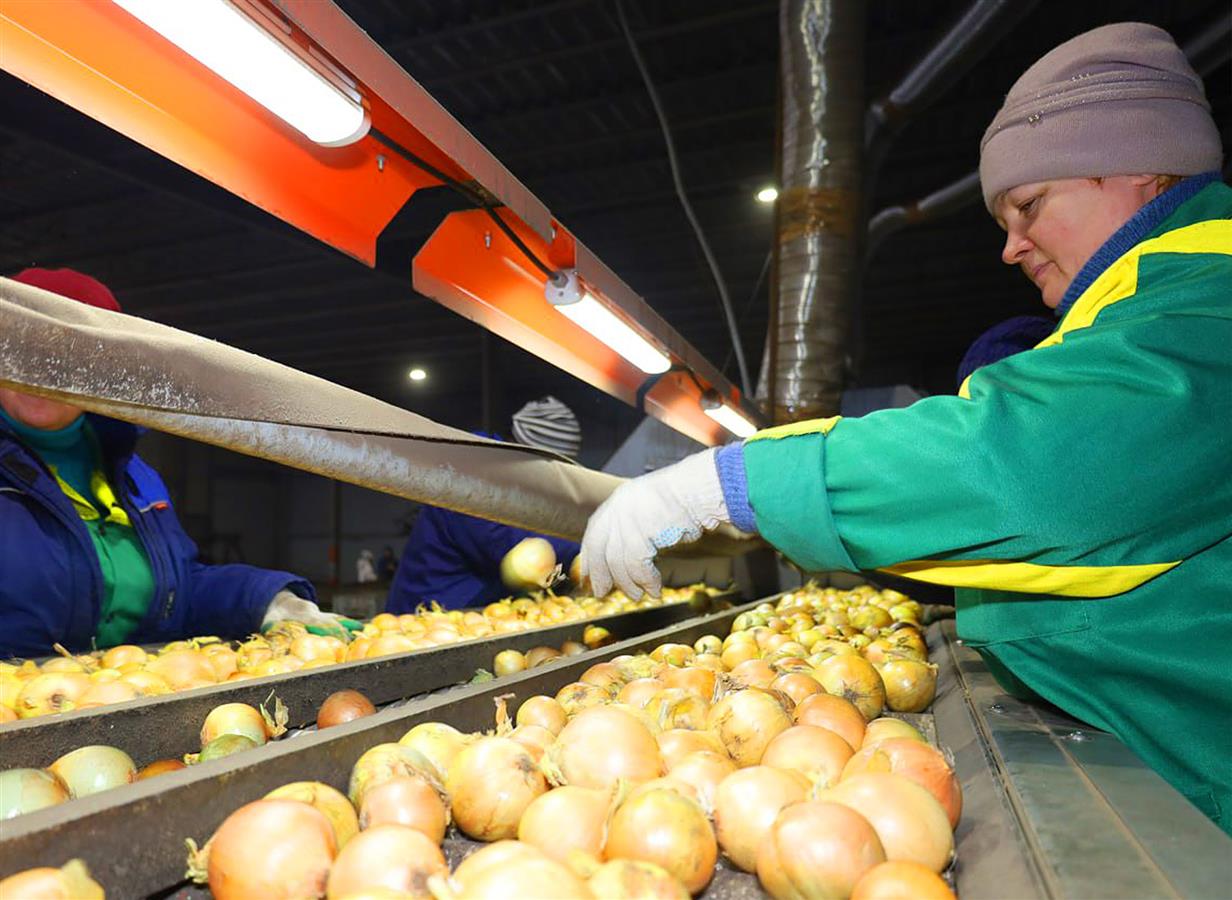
x=819 y=208
x=941 y=202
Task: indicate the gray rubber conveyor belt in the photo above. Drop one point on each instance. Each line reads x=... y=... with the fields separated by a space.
x=169 y=380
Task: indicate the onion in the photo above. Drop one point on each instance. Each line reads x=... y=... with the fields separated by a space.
x=669 y=830
x=897 y=879
x=818 y=850
x=916 y=761
x=544 y=712
x=71 y=881
x=633 y=879
x=738 y=653
x=908 y=819
x=677 y=708
x=490 y=784
x=601 y=745
x=711 y=661
x=234 y=718
x=835 y=713
x=223 y=660
x=673 y=654
x=578 y=696
x=572 y=648
x=406 y=800
x=160 y=767
x=754 y=673
x=606 y=675
x=104 y=693
x=537 y=656
x=328 y=801
x=910 y=684
x=816 y=753
x=51 y=693
x=534 y=738
x=595 y=636
x=639 y=691
x=796 y=685
x=880 y=729
x=122 y=655
x=746 y=805
x=566 y=820
x=309 y=647
x=695 y=679
x=708 y=643
x=25 y=790
x=704 y=771
x=273 y=849
x=510 y=869
x=93 y=768
x=385 y=761
x=854 y=678
x=390 y=644
x=148 y=683
x=183 y=669
x=387 y=856
x=343 y=706
x=677 y=743
x=438 y=743
x=746 y=722
x=529 y=565
x=223 y=745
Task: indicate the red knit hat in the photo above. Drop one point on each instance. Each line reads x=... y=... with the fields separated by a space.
x=72 y=284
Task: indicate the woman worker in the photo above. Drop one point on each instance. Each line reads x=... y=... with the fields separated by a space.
x=91 y=551
x=1078 y=496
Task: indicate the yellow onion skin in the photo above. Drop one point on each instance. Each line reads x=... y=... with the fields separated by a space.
x=529 y=565
x=53 y=692
x=385 y=761
x=71 y=881
x=669 y=830
x=856 y=679
x=406 y=800
x=817 y=851
x=908 y=819
x=894 y=880
x=94 y=768
x=439 y=743
x=677 y=743
x=746 y=805
x=633 y=879
x=271 y=849
x=704 y=771
x=386 y=856
x=566 y=819
x=917 y=761
x=746 y=721
x=885 y=728
x=343 y=706
x=234 y=718
x=25 y=790
x=544 y=712
x=602 y=745
x=329 y=801
x=816 y=753
x=910 y=684
x=511 y=869
x=578 y=696
x=490 y=785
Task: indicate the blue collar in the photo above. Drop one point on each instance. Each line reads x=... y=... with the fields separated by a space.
x=1132 y=233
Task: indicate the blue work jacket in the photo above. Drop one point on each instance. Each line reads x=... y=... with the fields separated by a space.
x=51 y=584
x=455 y=560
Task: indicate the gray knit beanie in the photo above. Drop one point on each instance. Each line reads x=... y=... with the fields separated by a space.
x=1118 y=100
x=549 y=425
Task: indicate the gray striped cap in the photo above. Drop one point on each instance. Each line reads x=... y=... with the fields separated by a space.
x=549 y=425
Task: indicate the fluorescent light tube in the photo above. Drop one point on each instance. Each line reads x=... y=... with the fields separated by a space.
x=604 y=324
x=731 y=420
x=239 y=50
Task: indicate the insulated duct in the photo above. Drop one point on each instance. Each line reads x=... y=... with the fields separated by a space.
x=819 y=221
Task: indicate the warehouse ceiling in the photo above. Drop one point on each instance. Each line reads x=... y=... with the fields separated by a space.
x=551 y=89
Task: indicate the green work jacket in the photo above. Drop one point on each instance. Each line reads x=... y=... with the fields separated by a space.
x=1078 y=496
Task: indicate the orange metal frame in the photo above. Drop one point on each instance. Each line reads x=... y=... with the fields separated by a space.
x=95 y=57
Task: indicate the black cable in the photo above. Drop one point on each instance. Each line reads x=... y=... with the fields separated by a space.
x=473 y=196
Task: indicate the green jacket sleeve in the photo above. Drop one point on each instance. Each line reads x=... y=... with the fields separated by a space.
x=1081 y=469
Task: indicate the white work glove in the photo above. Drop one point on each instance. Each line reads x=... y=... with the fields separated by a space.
x=286 y=606
x=671 y=506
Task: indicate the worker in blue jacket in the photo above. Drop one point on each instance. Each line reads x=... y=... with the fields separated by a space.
x=454 y=559
x=91 y=551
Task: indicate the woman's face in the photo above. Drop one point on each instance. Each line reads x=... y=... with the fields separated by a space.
x=38 y=412
x=1053 y=227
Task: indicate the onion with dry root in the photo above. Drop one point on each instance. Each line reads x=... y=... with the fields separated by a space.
x=71 y=881
x=746 y=721
x=919 y=762
x=898 y=879
x=393 y=857
x=817 y=851
x=665 y=828
x=677 y=743
x=385 y=761
x=881 y=729
x=490 y=785
x=704 y=771
x=408 y=800
x=438 y=743
x=816 y=753
x=856 y=679
x=745 y=806
x=565 y=820
x=909 y=821
x=910 y=684
x=600 y=746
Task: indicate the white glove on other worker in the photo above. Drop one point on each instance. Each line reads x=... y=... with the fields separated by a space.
x=671 y=506
x=287 y=607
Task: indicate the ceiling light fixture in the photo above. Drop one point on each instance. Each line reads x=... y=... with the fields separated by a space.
x=220 y=36
x=768 y=195
x=585 y=311
x=417 y=374
x=736 y=423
